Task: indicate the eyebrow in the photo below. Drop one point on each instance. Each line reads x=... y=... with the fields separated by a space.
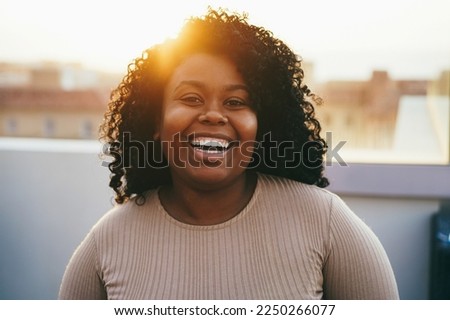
x=199 y=84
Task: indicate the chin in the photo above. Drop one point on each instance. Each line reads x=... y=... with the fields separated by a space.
x=212 y=178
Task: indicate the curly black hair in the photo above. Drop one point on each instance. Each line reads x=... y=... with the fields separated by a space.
x=288 y=138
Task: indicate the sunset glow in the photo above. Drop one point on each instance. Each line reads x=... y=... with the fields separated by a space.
x=346 y=38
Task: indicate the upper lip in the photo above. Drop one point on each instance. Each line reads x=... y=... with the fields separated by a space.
x=211 y=139
x=211 y=136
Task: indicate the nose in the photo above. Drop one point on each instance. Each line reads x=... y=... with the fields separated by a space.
x=213 y=116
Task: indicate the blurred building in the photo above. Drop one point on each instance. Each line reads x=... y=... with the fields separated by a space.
x=439 y=106
x=364 y=113
x=56 y=100
x=51 y=100
x=51 y=113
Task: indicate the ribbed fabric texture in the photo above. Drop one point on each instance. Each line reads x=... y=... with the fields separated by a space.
x=292 y=241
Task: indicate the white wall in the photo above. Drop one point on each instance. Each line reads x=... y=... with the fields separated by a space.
x=403 y=226
x=49 y=199
x=48 y=202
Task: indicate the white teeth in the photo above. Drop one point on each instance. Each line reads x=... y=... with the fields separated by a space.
x=213 y=145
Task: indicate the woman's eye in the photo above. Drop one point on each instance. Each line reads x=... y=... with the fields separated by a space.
x=235 y=103
x=191 y=100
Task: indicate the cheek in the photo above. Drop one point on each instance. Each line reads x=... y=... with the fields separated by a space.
x=169 y=125
x=248 y=126
x=243 y=155
x=173 y=122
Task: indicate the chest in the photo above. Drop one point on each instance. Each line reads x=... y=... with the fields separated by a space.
x=246 y=262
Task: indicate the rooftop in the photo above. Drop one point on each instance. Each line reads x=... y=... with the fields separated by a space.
x=53 y=99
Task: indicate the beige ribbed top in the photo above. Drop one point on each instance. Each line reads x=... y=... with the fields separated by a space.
x=292 y=241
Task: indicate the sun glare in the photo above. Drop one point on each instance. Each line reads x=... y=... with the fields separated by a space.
x=98 y=34
x=128 y=32
x=108 y=35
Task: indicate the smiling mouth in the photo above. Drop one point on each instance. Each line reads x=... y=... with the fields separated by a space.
x=211 y=145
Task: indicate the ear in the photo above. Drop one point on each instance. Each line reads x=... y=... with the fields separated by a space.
x=157 y=132
x=156 y=135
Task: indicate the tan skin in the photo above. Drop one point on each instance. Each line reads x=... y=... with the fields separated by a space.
x=207 y=101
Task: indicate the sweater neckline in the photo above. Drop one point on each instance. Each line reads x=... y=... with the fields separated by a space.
x=221 y=225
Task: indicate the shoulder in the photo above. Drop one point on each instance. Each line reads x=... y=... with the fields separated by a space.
x=295 y=201
x=294 y=197
x=288 y=189
x=128 y=213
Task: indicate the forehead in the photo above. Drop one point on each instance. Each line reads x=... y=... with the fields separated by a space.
x=206 y=67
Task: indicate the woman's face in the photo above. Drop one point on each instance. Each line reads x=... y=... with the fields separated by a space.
x=207 y=125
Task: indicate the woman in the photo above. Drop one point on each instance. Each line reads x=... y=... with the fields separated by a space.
x=218 y=176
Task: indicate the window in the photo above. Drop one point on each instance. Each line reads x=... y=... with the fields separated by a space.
x=385 y=120
x=86 y=131
x=11 y=127
x=49 y=128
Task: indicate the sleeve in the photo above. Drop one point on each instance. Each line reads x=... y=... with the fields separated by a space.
x=357 y=266
x=82 y=280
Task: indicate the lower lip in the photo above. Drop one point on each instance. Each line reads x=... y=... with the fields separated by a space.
x=208 y=157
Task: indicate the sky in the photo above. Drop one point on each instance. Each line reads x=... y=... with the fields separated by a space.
x=345 y=39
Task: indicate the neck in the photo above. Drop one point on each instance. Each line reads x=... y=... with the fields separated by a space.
x=208 y=207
